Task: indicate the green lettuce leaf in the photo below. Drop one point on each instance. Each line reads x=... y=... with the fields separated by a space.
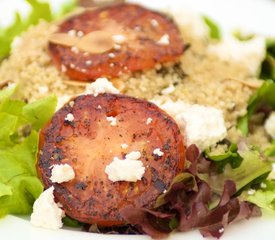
x=268 y=65
x=263 y=197
x=231 y=156
x=214 y=30
x=40 y=10
x=252 y=168
x=19 y=184
x=270 y=150
x=264 y=96
x=39 y=112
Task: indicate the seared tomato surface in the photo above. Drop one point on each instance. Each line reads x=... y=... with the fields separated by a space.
x=144 y=38
x=89 y=143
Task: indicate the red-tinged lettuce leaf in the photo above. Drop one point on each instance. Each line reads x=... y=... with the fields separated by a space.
x=153 y=223
x=185 y=206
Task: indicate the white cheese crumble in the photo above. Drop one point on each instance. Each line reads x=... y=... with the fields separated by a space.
x=119 y=39
x=62 y=173
x=164 y=40
x=111 y=55
x=168 y=90
x=134 y=155
x=74 y=49
x=249 y=53
x=62 y=100
x=148 y=121
x=192 y=21
x=69 y=117
x=72 y=33
x=124 y=145
x=80 y=34
x=263 y=185
x=129 y=169
x=270 y=125
x=201 y=125
x=43 y=89
x=158 y=152
x=251 y=191
x=154 y=22
x=47 y=213
x=117 y=47
x=63 y=68
x=112 y=120
x=89 y=62
x=101 y=85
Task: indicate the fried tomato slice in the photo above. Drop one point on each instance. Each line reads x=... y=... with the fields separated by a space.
x=115 y=40
x=89 y=143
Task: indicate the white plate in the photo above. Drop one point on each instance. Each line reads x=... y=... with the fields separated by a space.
x=251 y=15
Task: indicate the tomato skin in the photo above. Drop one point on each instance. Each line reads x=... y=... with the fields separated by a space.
x=89 y=143
x=140 y=51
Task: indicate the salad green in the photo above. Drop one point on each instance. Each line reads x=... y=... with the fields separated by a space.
x=214 y=30
x=263 y=97
x=241 y=164
x=20 y=123
x=263 y=197
x=40 y=10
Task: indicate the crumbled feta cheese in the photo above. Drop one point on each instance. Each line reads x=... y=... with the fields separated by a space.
x=148 y=121
x=251 y=191
x=112 y=121
x=71 y=103
x=124 y=145
x=134 y=155
x=173 y=108
x=62 y=100
x=101 y=85
x=119 y=39
x=80 y=34
x=63 y=68
x=203 y=126
x=249 y=53
x=117 y=47
x=74 y=49
x=192 y=21
x=263 y=185
x=154 y=22
x=158 y=152
x=270 y=125
x=168 y=90
x=62 y=173
x=129 y=169
x=69 y=117
x=164 y=40
x=47 y=213
x=99 y=107
x=72 y=33
x=89 y=62
x=43 y=89
x=111 y=55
